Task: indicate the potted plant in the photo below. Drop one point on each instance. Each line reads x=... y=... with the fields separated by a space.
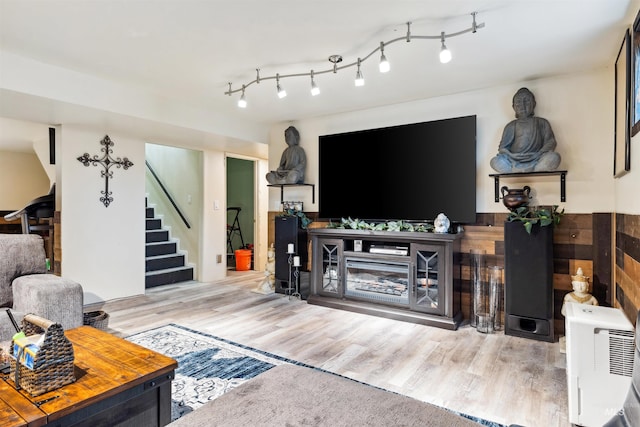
x=529 y=216
x=304 y=219
x=358 y=224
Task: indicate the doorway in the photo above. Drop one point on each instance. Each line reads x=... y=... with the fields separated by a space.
x=240 y=207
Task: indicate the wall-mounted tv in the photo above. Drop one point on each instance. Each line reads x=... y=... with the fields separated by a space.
x=409 y=172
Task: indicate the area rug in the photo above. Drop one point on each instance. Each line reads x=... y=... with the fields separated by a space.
x=209 y=366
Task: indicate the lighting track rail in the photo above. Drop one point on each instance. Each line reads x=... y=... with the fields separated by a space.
x=445 y=56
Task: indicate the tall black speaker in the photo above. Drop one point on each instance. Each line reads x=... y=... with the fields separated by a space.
x=288 y=230
x=528 y=287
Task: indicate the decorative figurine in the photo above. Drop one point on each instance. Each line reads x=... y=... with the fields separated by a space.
x=441 y=224
x=527 y=143
x=292 y=163
x=580 y=292
x=267 y=286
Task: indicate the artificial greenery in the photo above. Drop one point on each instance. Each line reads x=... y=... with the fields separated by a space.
x=536 y=215
x=358 y=224
x=304 y=219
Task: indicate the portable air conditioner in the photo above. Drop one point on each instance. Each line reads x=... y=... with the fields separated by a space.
x=600 y=346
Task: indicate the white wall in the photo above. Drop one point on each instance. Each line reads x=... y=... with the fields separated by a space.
x=22 y=179
x=102 y=247
x=41 y=148
x=628 y=186
x=579 y=108
x=214 y=221
x=261 y=244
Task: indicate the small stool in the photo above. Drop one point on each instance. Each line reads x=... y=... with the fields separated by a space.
x=55 y=298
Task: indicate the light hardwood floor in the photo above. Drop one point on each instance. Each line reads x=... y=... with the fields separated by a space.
x=497 y=377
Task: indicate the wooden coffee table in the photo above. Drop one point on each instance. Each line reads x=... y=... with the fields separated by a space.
x=117 y=383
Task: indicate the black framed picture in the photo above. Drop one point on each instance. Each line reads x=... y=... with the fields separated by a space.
x=622 y=131
x=635 y=68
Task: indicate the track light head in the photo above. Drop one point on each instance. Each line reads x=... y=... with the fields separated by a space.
x=384 y=64
x=315 y=90
x=445 y=54
x=281 y=92
x=359 y=78
x=242 y=102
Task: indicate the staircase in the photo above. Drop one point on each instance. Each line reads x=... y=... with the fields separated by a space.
x=164 y=265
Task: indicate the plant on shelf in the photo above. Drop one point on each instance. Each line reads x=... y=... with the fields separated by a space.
x=358 y=224
x=304 y=219
x=531 y=215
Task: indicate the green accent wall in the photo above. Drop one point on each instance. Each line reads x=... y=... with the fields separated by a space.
x=240 y=193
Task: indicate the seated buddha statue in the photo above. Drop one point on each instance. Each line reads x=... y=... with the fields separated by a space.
x=527 y=143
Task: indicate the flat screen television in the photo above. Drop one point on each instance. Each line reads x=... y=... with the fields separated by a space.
x=409 y=172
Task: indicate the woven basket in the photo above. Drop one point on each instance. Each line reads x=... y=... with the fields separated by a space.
x=53 y=363
x=98 y=319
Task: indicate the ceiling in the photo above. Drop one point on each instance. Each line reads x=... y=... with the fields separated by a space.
x=188 y=51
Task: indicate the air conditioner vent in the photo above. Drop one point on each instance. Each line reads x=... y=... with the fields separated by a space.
x=621 y=349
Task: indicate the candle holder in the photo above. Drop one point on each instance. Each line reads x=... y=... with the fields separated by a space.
x=294 y=261
x=296 y=276
x=290 y=262
x=293 y=290
x=290 y=251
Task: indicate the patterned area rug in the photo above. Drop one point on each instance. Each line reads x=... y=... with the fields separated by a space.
x=209 y=366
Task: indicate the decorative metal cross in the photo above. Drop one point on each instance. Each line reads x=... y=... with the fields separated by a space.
x=106 y=161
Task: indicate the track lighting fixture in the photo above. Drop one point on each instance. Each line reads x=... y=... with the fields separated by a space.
x=445 y=54
x=315 y=90
x=384 y=64
x=359 y=77
x=445 y=57
x=281 y=92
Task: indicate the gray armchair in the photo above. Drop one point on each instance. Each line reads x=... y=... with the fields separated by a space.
x=26 y=287
x=629 y=415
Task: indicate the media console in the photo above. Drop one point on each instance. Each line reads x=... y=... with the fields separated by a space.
x=408 y=276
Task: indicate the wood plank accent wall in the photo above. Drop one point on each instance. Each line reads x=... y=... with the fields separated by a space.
x=581 y=240
x=627 y=266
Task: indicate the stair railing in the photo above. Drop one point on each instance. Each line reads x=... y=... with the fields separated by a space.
x=164 y=189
